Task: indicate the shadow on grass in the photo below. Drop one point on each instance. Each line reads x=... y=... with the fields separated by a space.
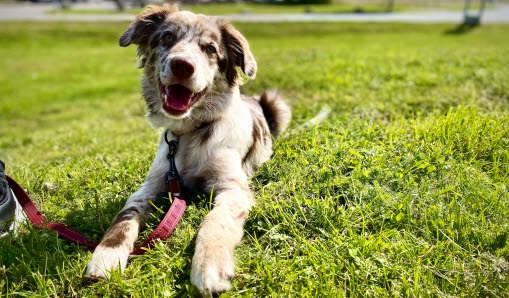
x=469 y=24
x=34 y=255
x=38 y=256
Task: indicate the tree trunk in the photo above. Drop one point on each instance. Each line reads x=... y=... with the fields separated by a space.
x=64 y=4
x=390 y=6
x=143 y=3
x=120 y=5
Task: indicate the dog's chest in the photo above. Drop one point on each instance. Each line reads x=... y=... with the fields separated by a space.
x=205 y=156
x=191 y=165
x=198 y=158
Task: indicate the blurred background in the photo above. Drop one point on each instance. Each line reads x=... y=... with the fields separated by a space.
x=341 y=8
x=469 y=12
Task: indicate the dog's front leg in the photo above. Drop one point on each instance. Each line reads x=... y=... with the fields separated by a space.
x=113 y=251
x=222 y=229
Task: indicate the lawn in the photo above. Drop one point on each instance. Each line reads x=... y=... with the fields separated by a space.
x=402 y=191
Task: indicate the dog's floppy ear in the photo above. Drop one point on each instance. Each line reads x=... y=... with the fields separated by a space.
x=146 y=23
x=238 y=52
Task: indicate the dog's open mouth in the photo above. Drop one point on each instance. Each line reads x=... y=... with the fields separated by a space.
x=177 y=99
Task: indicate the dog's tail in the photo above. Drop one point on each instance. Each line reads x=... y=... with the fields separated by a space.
x=276 y=111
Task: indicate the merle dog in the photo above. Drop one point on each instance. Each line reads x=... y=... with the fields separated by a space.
x=190 y=84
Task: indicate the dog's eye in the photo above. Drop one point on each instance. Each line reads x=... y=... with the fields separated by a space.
x=210 y=49
x=168 y=37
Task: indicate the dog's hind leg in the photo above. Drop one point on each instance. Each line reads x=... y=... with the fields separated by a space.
x=222 y=229
x=113 y=251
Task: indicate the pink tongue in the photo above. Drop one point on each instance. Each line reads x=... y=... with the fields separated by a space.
x=178 y=97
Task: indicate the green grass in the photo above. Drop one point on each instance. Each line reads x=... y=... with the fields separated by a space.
x=402 y=191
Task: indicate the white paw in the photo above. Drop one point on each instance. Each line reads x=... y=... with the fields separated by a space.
x=212 y=270
x=105 y=260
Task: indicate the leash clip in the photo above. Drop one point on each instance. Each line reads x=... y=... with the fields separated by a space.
x=172 y=173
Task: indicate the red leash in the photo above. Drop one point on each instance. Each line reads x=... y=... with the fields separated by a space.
x=37 y=219
x=170 y=220
x=161 y=232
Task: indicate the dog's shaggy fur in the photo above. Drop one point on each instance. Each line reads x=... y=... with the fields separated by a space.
x=191 y=88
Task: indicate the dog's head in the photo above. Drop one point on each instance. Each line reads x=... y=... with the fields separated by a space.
x=190 y=61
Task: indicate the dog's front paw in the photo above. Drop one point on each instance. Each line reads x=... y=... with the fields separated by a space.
x=105 y=260
x=212 y=269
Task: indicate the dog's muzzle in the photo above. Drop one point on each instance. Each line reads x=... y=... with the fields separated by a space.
x=177 y=99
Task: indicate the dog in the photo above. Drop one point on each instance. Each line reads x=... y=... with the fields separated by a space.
x=191 y=75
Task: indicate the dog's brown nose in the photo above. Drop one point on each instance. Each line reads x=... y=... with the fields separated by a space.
x=181 y=68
